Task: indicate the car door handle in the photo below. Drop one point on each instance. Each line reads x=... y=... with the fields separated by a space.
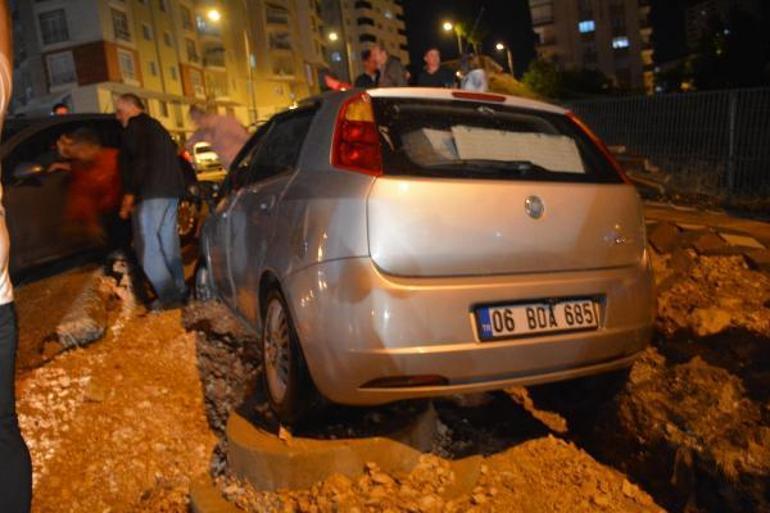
x=267 y=205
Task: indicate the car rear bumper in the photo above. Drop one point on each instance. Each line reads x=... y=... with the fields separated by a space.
x=358 y=326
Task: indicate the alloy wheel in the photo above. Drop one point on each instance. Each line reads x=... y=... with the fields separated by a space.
x=277 y=347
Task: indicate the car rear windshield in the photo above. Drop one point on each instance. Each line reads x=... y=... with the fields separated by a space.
x=458 y=139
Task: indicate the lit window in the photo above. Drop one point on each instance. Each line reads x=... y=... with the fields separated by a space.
x=586 y=26
x=620 y=42
x=336 y=57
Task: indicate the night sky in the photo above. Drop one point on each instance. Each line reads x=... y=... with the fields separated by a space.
x=506 y=21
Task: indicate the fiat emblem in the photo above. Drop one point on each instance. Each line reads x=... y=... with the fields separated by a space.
x=534 y=207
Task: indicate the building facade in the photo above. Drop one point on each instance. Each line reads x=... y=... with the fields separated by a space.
x=612 y=36
x=249 y=58
x=701 y=12
x=356 y=25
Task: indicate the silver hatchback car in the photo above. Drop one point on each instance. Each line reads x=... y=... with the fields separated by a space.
x=404 y=243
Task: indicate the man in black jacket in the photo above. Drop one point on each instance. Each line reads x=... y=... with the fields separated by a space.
x=153 y=184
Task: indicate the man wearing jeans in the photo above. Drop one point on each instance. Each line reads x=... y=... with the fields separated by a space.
x=15 y=465
x=153 y=184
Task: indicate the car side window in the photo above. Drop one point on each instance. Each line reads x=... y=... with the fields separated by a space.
x=238 y=176
x=281 y=148
x=40 y=147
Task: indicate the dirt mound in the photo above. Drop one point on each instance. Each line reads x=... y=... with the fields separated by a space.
x=542 y=475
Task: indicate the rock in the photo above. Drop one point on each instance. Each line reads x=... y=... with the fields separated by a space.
x=664 y=237
x=681 y=261
x=600 y=500
x=710 y=321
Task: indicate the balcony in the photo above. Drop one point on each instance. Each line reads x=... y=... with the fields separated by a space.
x=402 y=32
x=363 y=4
x=365 y=20
x=367 y=38
x=214 y=57
x=542 y=20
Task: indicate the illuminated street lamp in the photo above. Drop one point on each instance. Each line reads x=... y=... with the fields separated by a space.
x=448 y=26
x=215 y=16
x=334 y=37
x=500 y=47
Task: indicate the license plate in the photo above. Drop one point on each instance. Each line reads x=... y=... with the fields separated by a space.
x=508 y=321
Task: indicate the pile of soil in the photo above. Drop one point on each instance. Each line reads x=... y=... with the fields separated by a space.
x=542 y=475
x=118 y=426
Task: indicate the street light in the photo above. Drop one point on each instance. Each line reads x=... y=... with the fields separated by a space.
x=448 y=26
x=500 y=47
x=215 y=17
x=334 y=37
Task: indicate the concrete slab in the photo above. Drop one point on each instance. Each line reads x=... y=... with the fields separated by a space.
x=759 y=260
x=743 y=241
x=709 y=244
x=269 y=463
x=206 y=498
x=664 y=237
x=691 y=227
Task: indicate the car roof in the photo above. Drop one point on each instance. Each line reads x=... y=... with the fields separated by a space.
x=434 y=93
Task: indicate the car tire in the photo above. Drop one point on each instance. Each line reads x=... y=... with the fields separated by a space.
x=287 y=383
x=188 y=217
x=204 y=288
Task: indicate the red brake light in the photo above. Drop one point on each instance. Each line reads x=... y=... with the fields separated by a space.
x=356 y=139
x=484 y=97
x=186 y=155
x=580 y=124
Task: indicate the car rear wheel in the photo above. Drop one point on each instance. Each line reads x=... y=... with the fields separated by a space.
x=187 y=220
x=288 y=385
x=204 y=289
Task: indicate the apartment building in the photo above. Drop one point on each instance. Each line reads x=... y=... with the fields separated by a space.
x=359 y=24
x=249 y=58
x=613 y=36
x=700 y=13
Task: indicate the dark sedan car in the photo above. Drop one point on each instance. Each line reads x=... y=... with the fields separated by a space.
x=35 y=197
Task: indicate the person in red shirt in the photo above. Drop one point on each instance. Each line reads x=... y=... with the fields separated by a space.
x=95 y=190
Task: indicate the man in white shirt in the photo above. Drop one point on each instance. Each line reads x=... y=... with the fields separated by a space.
x=15 y=467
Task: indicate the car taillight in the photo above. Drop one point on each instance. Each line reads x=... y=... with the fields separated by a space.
x=356 y=140
x=186 y=155
x=580 y=124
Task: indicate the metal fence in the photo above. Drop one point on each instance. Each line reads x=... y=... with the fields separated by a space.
x=717 y=142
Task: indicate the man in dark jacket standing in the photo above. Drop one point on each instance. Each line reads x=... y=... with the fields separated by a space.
x=153 y=184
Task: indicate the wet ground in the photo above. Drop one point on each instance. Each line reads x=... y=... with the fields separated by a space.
x=126 y=423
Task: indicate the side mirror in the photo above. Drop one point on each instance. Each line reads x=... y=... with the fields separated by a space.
x=26 y=170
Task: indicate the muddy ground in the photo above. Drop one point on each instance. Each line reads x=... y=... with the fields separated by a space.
x=126 y=423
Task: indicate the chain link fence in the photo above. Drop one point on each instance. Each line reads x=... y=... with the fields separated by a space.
x=717 y=143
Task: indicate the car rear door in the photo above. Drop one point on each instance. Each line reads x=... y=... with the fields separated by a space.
x=255 y=215
x=219 y=225
x=477 y=188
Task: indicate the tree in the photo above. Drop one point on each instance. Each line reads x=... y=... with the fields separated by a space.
x=544 y=78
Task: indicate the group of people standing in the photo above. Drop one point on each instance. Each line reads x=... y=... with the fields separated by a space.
x=384 y=70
